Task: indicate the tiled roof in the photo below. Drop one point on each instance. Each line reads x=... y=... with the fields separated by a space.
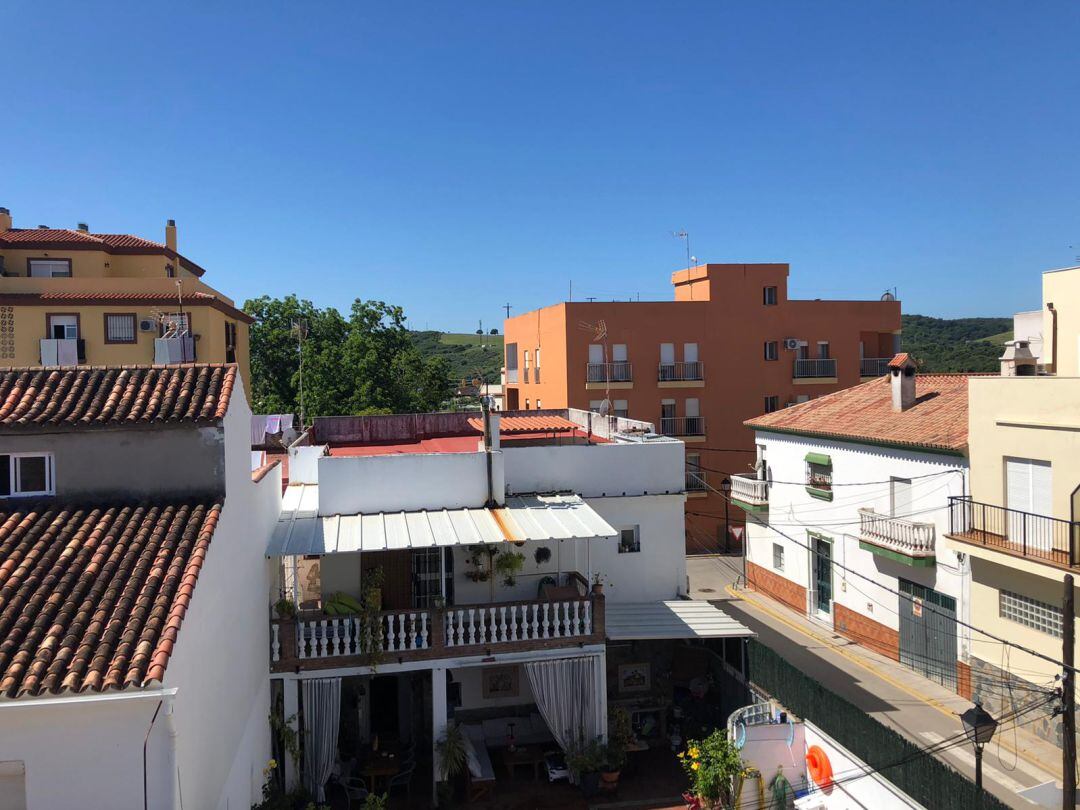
x=528 y=424
x=91 y=297
x=65 y=238
x=88 y=396
x=899 y=360
x=938 y=420
x=92 y=596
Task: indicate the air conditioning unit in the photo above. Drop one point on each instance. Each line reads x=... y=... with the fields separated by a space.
x=791 y=343
x=147 y=325
x=790 y=404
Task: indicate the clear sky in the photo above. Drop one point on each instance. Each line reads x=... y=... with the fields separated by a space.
x=454 y=156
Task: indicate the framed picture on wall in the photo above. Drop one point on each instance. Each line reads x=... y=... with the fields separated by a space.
x=634 y=678
x=499 y=682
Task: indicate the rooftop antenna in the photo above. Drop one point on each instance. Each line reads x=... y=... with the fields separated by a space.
x=682 y=234
x=600 y=333
x=299 y=326
x=507 y=307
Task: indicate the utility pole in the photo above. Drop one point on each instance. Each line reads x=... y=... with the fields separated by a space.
x=1068 y=698
x=507 y=307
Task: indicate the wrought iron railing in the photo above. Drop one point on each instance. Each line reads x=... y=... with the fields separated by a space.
x=682 y=371
x=874 y=366
x=1038 y=536
x=609 y=372
x=815 y=368
x=682 y=425
x=695 y=481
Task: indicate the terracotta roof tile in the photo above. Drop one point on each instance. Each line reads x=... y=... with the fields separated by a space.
x=90 y=298
x=89 y=396
x=899 y=360
x=92 y=596
x=527 y=424
x=65 y=238
x=938 y=420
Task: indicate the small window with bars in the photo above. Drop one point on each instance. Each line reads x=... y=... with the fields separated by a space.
x=778 y=556
x=1033 y=613
x=629 y=540
x=120 y=327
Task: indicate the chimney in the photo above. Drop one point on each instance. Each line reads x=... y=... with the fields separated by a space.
x=1018 y=361
x=82 y=226
x=902 y=380
x=170 y=235
x=5 y=220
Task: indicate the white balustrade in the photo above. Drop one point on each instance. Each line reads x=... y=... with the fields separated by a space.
x=393 y=631
x=749 y=489
x=275 y=644
x=906 y=536
x=506 y=624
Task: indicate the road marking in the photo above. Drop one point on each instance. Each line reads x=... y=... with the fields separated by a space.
x=964 y=753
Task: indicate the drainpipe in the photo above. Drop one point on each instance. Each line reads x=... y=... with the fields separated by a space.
x=1053 y=335
x=485 y=406
x=169 y=797
x=1072 y=523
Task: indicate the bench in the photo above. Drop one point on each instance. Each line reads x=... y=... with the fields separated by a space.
x=480 y=773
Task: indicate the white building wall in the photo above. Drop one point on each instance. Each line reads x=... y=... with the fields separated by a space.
x=857 y=472
x=596 y=470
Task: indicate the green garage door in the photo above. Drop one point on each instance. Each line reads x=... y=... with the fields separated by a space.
x=928 y=632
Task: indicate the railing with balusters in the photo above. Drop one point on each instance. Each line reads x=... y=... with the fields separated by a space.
x=312 y=639
x=906 y=536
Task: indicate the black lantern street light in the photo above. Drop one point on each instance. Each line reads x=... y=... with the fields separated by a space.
x=980 y=727
x=725 y=492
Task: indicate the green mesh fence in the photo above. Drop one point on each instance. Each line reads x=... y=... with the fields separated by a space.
x=925 y=778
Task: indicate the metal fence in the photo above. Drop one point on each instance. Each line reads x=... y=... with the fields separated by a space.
x=815 y=368
x=1039 y=536
x=609 y=372
x=687 y=370
x=926 y=779
x=874 y=366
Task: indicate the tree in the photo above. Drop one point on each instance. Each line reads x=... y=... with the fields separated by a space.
x=494 y=331
x=365 y=364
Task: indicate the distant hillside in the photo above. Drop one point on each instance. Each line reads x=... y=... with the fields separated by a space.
x=956 y=344
x=466 y=354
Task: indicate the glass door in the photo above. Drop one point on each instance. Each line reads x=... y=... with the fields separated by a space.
x=821 y=576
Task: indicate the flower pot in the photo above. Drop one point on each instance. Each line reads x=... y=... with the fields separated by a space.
x=609 y=780
x=598 y=589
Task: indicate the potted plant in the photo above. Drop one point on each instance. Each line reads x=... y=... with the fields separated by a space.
x=453 y=760
x=598 y=583
x=542 y=555
x=711 y=765
x=285 y=608
x=619 y=735
x=585 y=761
x=509 y=564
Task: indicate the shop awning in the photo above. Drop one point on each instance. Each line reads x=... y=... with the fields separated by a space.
x=301 y=530
x=678 y=618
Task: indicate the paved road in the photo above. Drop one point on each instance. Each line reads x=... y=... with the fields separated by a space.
x=921 y=710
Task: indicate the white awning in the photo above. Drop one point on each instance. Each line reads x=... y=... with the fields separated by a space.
x=678 y=618
x=301 y=530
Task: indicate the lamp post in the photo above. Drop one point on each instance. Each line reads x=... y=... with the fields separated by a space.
x=725 y=489
x=980 y=727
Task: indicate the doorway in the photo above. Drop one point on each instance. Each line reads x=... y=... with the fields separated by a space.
x=928 y=632
x=821 y=578
x=384 y=707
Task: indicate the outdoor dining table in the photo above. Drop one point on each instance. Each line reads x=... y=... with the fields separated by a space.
x=379 y=765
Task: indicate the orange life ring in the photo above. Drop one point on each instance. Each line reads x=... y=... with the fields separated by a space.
x=817 y=762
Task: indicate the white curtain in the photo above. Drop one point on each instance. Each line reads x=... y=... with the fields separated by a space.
x=565 y=693
x=322 y=714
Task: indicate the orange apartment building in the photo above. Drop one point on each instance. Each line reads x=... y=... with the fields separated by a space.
x=731 y=346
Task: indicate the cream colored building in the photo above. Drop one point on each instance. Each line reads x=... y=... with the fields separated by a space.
x=1019 y=524
x=71 y=296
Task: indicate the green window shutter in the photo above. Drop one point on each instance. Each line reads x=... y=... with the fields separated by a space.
x=819 y=458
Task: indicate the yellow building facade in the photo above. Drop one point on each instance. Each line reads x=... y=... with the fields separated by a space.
x=110 y=299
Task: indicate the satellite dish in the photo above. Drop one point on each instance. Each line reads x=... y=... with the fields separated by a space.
x=605 y=407
x=888 y=296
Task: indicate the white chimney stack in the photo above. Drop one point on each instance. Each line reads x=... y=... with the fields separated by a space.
x=902 y=380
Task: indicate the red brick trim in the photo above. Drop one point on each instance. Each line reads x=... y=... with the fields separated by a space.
x=963 y=680
x=866 y=631
x=779 y=588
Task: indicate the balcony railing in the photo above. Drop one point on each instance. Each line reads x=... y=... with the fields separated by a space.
x=609 y=372
x=511 y=375
x=904 y=536
x=874 y=366
x=174 y=350
x=1037 y=536
x=315 y=641
x=814 y=368
x=682 y=425
x=677 y=372
x=750 y=490
x=62 y=351
x=695 y=481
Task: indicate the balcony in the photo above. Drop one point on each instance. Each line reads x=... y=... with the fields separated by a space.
x=615 y=375
x=62 y=351
x=685 y=374
x=169 y=350
x=682 y=426
x=316 y=641
x=874 y=366
x=816 y=370
x=696 y=482
x=1024 y=534
x=750 y=492
x=904 y=541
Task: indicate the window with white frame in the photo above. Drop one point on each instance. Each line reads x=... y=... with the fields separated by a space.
x=26 y=474
x=120 y=327
x=1033 y=613
x=50 y=268
x=772 y=350
x=772 y=403
x=630 y=540
x=778 y=556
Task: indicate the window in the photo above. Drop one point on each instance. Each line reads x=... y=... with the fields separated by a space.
x=25 y=474
x=772 y=403
x=629 y=540
x=594 y=405
x=49 y=268
x=772 y=350
x=537 y=374
x=819 y=476
x=1029 y=612
x=769 y=296
x=801 y=398
x=539 y=407
x=621 y=407
x=230 y=342
x=119 y=327
x=511 y=363
x=526 y=403
x=778 y=556
x=526 y=367
x=63 y=327
x=428 y=567
x=823 y=350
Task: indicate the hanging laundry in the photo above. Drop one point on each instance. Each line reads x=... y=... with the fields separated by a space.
x=258 y=428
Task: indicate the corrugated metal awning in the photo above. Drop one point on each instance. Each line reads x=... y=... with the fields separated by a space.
x=301 y=530
x=678 y=618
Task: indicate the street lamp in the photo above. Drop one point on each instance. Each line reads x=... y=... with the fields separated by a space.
x=725 y=491
x=980 y=727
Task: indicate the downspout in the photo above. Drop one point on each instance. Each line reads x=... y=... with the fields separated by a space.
x=146 y=741
x=1053 y=335
x=1072 y=521
x=170 y=799
x=486 y=407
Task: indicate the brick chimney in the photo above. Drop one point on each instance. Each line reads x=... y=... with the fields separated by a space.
x=902 y=380
x=170 y=235
x=5 y=220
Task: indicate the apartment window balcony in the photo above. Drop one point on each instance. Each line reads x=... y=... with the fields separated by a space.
x=606 y=373
x=905 y=541
x=696 y=481
x=313 y=640
x=874 y=366
x=815 y=369
x=62 y=351
x=170 y=350
x=750 y=492
x=525 y=375
x=1024 y=534
x=682 y=425
x=688 y=371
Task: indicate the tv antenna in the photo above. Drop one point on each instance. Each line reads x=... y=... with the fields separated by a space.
x=682 y=234
x=300 y=329
x=507 y=307
x=599 y=335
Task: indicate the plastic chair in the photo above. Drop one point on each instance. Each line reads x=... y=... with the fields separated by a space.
x=402 y=778
x=354 y=788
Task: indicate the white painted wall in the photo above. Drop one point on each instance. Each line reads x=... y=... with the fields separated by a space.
x=472 y=691
x=594 y=470
x=793 y=512
x=359 y=484
x=304 y=463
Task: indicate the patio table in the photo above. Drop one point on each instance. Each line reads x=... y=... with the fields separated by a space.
x=523 y=755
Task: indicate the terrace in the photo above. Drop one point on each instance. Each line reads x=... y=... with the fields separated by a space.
x=1023 y=534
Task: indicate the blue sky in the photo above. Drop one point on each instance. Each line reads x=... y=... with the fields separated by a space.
x=451 y=157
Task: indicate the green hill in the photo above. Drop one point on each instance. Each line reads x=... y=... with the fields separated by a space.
x=467 y=355
x=955 y=344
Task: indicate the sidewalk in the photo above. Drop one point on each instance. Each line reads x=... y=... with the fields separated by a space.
x=921 y=710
